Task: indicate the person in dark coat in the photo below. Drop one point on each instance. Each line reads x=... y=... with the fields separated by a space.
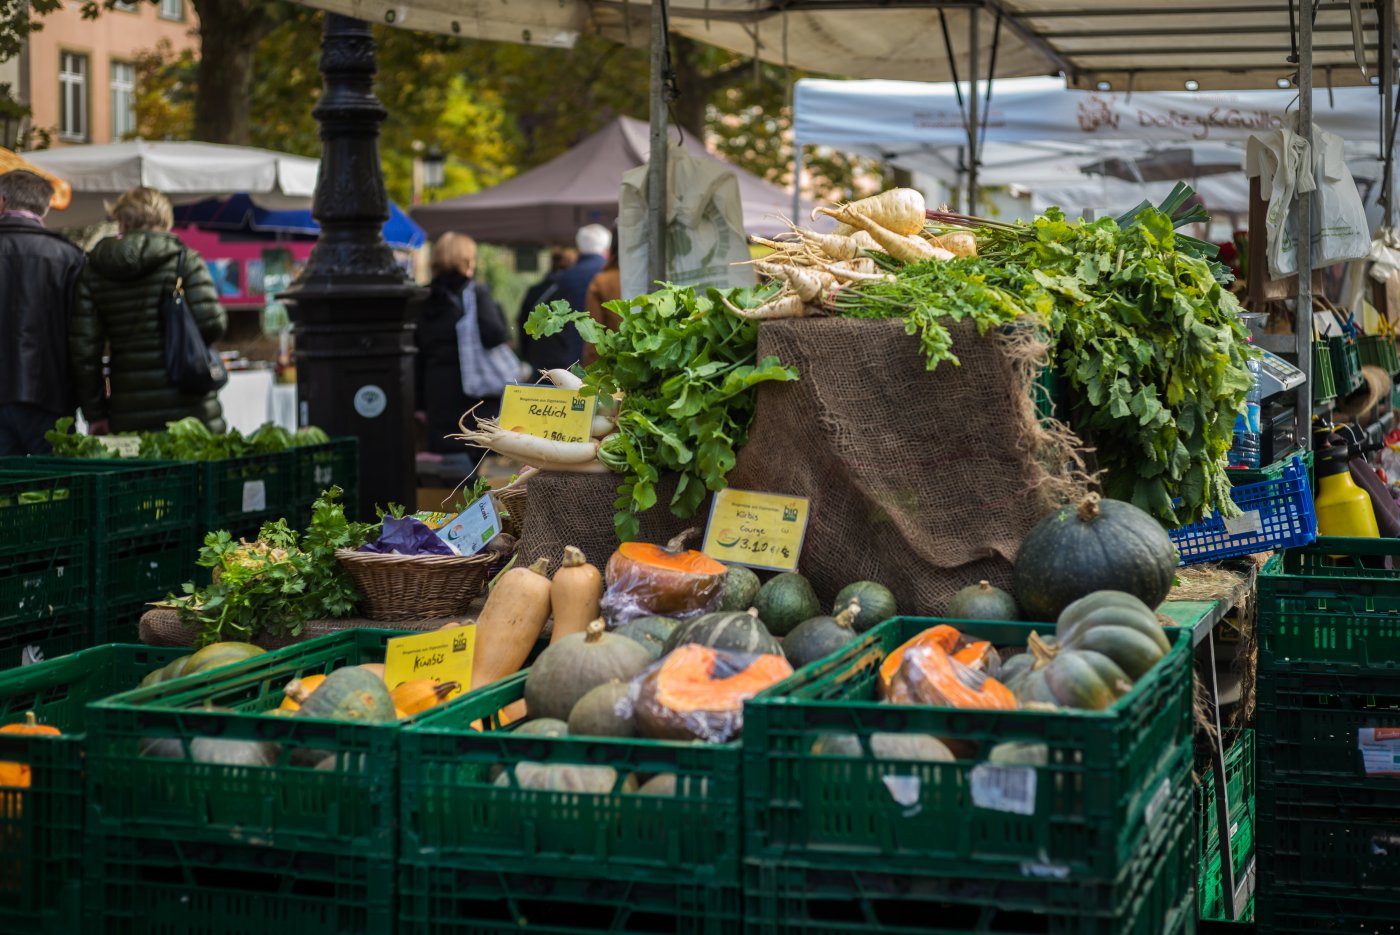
x=38 y=282
x=544 y=353
x=120 y=293
x=566 y=347
x=439 y=371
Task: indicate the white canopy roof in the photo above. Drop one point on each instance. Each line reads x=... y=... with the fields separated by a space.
x=1126 y=44
x=185 y=172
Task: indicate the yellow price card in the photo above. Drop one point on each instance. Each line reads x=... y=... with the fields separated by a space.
x=761 y=530
x=548 y=412
x=440 y=655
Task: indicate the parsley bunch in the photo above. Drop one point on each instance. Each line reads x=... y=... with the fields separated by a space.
x=278 y=583
x=686 y=369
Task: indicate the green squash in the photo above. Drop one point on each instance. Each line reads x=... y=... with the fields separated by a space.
x=350 y=694
x=1098 y=600
x=1071 y=678
x=1110 y=609
x=821 y=636
x=876 y=603
x=548 y=777
x=651 y=632
x=596 y=713
x=542 y=727
x=1095 y=546
x=1127 y=634
x=740 y=588
x=578 y=663
x=981 y=601
x=785 y=601
x=1015 y=667
x=215 y=655
x=735 y=632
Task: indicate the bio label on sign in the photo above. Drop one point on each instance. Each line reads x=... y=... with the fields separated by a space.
x=550 y=412
x=762 y=530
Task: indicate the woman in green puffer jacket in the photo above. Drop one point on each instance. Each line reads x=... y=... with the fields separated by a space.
x=118 y=305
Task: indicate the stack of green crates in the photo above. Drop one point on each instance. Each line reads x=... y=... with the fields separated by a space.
x=45 y=563
x=240 y=494
x=306 y=845
x=319 y=467
x=480 y=854
x=1329 y=679
x=1095 y=835
x=42 y=854
x=1239 y=790
x=138 y=527
x=1378 y=350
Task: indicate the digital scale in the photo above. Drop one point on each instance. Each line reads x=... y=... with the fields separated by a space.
x=1278 y=410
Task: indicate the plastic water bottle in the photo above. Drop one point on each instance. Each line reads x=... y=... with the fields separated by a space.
x=1244 y=452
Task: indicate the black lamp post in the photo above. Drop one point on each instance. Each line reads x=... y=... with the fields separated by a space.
x=434 y=163
x=351 y=305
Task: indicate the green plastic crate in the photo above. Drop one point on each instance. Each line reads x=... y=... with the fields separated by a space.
x=1239 y=788
x=350 y=807
x=452 y=900
x=1378 y=350
x=1324 y=381
x=1346 y=363
x=1331 y=604
x=1308 y=725
x=1328 y=838
x=130 y=497
x=454 y=813
x=139 y=886
x=1104 y=770
x=38 y=510
x=1274 y=471
x=1048 y=393
x=240 y=494
x=144 y=568
x=41 y=826
x=1325 y=914
x=44 y=598
x=318 y=467
x=1150 y=893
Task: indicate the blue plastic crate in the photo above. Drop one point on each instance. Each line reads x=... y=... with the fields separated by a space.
x=1278 y=514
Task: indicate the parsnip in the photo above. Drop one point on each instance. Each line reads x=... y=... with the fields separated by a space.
x=903 y=247
x=900 y=210
x=788 y=305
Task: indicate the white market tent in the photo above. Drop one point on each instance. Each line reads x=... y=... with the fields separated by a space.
x=186 y=172
x=1042 y=137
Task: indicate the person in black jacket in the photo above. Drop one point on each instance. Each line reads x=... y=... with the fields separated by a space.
x=544 y=353
x=439 y=371
x=38 y=282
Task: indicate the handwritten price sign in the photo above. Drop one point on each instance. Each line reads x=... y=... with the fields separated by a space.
x=761 y=530
x=548 y=412
x=440 y=655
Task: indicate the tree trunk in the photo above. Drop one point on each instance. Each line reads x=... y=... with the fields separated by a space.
x=229 y=32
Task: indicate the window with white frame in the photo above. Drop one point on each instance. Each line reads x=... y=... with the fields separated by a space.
x=123 y=100
x=73 y=97
x=172 y=9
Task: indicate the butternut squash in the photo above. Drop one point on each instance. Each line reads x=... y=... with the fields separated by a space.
x=574 y=595
x=510 y=623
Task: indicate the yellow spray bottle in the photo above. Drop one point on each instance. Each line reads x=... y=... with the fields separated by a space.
x=1343 y=509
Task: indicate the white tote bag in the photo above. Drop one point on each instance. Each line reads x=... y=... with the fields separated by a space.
x=484 y=373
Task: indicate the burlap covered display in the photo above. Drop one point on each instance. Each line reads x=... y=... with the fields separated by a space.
x=577 y=509
x=162 y=627
x=925 y=482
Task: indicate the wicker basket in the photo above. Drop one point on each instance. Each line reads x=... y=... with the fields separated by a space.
x=413 y=587
x=511 y=501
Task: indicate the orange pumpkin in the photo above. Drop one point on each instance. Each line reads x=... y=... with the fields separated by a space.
x=17 y=774
x=665 y=580
x=931 y=676
x=696 y=693
x=942 y=636
x=419 y=695
x=298 y=690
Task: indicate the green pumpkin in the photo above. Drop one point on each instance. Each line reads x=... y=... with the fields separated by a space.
x=1095 y=546
x=1071 y=678
x=578 y=663
x=350 y=694
x=876 y=603
x=785 y=601
x=821 y=636
x=548 y=777
x=740 y=588
x=917 y=747
x=735 y=632
x=651 y=632
x=543 y=727
x=1015 y=667
x=981 y=601
x=1126 y=633
x=596 y=713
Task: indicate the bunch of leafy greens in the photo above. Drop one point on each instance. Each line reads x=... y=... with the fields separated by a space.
x=687 y=370
x=278 y=583
x=188 y=439
x=1151 y=345
x=932 y=292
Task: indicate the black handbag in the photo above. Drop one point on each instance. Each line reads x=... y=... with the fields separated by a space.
x=194 y=367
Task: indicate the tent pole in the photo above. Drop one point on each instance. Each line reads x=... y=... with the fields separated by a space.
x=1386 y=54
x=972 y=121
x=1303 y=327
x=656 y=164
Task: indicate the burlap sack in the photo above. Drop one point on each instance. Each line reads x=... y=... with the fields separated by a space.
x=925 y=482
x=577 y=510
x=162 y=627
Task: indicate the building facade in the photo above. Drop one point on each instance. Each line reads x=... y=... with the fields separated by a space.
x=79 y=75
